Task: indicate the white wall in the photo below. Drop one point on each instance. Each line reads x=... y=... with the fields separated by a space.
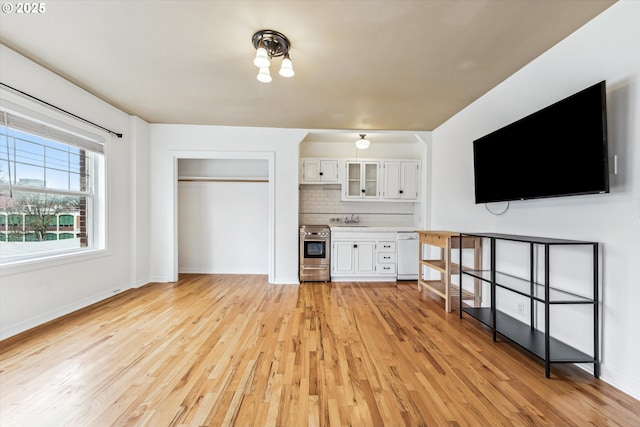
x=223 y=216
x=607 y=48
x=223 y=168
x=140 y=201
x=172 y=142
x=35 y=293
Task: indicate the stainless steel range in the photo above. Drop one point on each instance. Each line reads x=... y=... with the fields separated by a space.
x=315 y=253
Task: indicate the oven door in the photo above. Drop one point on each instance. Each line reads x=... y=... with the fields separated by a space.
x=314 y=251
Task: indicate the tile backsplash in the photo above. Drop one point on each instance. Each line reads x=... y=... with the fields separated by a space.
x=320 y=203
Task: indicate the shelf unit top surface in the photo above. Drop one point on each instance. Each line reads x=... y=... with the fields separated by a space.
x=530 y=239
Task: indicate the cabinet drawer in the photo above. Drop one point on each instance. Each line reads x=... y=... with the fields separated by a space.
x=387 y=246
x=389 y=257
x=387 y=269
x=435 y=239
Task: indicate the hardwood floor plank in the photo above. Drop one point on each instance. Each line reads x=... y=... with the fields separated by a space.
x=213 y=350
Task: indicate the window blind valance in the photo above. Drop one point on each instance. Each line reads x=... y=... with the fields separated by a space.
x=16 y=117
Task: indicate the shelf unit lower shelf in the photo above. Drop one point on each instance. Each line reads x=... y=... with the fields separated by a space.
x=439 y=288
x=528 y=338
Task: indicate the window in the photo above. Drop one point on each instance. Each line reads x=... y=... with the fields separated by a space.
x=50 y=175
x=65 y=221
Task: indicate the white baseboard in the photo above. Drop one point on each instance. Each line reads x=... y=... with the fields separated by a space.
x=210 y=270
x=621 y=381
x=363 y=279
x=286 y=281
x=161 y=279
x=16 y=328
x=140 y=283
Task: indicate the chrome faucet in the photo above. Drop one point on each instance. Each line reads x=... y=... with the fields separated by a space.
x=351 y=219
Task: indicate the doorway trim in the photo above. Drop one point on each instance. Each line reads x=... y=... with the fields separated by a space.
x=226 y=155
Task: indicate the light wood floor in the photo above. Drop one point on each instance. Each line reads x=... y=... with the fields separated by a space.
x=233 y=350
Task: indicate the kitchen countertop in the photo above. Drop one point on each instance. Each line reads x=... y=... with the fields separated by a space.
x=335 y=228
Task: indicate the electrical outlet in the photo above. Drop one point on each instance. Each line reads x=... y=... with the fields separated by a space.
x=521 y=309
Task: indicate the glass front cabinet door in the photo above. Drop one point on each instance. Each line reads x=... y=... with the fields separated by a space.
x=362 y=180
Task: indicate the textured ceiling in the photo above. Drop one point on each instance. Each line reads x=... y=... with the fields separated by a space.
x=360 y=65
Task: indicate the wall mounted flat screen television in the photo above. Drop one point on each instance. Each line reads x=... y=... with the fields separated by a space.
x=560 y=150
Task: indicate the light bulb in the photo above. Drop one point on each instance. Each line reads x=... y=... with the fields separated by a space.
x=264 y=76
x=262 y=59
x=286 y=69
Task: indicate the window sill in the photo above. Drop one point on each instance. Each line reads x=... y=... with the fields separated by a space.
x=54 y=260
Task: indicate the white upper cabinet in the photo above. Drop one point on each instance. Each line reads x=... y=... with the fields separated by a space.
x=319 y=171
x=394 y=180
x=362 y=180
x=401 y=180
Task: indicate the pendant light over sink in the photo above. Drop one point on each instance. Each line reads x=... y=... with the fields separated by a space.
x=270 y=44
x=362 y=143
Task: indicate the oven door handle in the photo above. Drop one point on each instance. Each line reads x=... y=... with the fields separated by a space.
x=321 y=267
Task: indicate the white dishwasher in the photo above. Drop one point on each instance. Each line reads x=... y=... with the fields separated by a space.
x=407 y=247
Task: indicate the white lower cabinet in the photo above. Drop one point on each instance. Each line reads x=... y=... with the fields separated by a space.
x=362 y=256
x=353 y=257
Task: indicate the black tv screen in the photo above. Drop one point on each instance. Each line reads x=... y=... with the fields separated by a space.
x=560 y=150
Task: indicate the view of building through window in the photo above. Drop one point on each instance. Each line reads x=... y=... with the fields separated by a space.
x=46 y=195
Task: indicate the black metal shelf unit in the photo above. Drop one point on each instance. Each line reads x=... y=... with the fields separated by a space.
x=539 y=343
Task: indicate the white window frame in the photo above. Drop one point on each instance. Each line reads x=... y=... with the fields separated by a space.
x=73 y=132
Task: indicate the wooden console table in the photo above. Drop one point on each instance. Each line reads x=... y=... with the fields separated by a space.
x=446 y=241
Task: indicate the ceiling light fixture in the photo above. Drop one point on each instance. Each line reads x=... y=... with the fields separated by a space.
x=362 y=143
x=270 y=44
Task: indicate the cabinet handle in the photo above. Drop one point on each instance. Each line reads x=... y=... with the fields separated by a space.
x=323 y=174
x=400 y=190
x=355 y=246
x=362 y=190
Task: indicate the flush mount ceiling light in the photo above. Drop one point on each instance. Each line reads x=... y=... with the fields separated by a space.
x=362 y=143
x=270 y=44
